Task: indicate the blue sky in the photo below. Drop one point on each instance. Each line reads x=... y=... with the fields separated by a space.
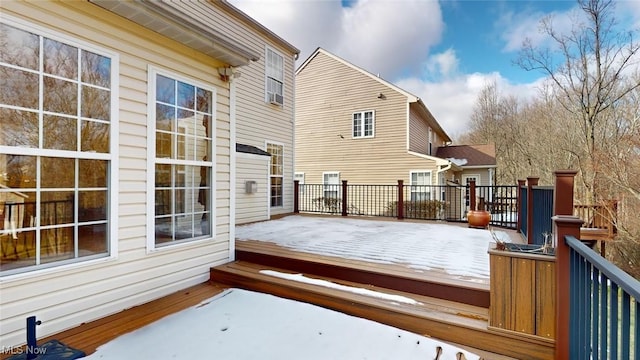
x=445 y=52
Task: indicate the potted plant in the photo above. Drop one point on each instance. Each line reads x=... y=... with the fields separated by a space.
x=479 y=218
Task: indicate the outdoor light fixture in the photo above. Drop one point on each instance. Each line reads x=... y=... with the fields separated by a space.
x=225 y=73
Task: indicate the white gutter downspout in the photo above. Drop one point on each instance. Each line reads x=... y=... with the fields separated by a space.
x=443 y=170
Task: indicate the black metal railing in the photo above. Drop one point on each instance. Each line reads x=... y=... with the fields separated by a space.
x=605 y=309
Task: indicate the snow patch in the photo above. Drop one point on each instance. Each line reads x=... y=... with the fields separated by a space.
x=360 y=291
x=459 y=162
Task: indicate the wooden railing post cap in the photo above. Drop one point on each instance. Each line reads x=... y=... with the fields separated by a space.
x=533 y=180
x=562 y=173
x=521 y=182
x=567 y=220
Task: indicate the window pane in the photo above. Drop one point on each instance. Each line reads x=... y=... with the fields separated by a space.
x=94 y=136
x=204 y=100
x=96 y=69
x=17 y=211
x=19 y=88
x=164 y=202
x=180 y=175
x=19 y=47
x=19 y=128
x=60 y=59
x=203 y=124
x=57 y=173
x=164 y=230
x=92 y=206
x=59 y=133
x=164 y=117
x=186 y=121
x=96 y=103
x=92 y=240
x=56 y=207
x=92 y=173
x=163 y=175
x=163 y=145
x=165 y=90
x=20 y=171
x=184 y=227
x=202 y=149
x=60 y=96
x=56 y=244
x=186 y=95
x=19 y=251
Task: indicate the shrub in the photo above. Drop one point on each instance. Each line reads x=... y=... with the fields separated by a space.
x=422 y=209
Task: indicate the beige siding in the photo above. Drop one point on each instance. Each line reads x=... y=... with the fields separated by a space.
x=67 y=296
x=252 y=207
x=257 y=120
x=328 y=92
x=482 y=173
x=418 y=133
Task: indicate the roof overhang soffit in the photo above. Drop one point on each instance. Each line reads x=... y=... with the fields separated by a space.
x=169 y=21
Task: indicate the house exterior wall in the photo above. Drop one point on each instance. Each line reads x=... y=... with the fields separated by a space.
x=258 y=120
x=328 y=92
x=251 y=207
x=65 y=296
x=483 y=173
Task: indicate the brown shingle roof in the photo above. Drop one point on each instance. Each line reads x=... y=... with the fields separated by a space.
x=475 y=155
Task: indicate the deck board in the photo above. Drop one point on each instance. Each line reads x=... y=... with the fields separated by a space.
x=88 y=336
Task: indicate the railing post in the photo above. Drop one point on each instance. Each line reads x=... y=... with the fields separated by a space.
x=531 y=182
x=296 y=196
x=472 y=195
x=400 y=210
x=564 y=224
x=521 y=183
x=563 y=193
x=344 y=197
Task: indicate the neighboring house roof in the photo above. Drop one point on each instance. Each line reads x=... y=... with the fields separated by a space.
x=469 y=155
x=412 y=99
x=248 y=149
x=169 y=21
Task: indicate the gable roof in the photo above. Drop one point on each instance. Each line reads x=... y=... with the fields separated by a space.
x=412 y=99
x=469 y=155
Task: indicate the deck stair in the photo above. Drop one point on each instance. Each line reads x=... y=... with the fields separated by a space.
x=446 y=320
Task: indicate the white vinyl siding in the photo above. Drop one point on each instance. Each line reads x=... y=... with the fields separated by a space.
x=363 y=124
x=58 y=146
x=68 y=295
x=420 y=185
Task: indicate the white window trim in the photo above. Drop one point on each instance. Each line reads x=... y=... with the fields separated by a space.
x=324 y=185
x=373 y=124
x=266 y=142
x=113 y=156
x=295 y=177
x=266 y=76
x=414 y=190
x=152 y=71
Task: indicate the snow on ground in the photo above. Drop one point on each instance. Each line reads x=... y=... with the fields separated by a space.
x=303 y=279
x=239 y=324
x=457 y=250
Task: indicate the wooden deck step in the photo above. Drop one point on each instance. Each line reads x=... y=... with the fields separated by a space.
x=441 y=319
x=432 y=283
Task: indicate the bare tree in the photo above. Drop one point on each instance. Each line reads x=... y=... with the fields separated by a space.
x=590 y=78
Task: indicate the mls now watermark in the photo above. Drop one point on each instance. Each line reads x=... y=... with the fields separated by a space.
x=18 y=350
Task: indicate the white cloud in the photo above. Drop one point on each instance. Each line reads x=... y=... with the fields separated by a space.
x=451 y=100
x=515 y=27
x=444 y=64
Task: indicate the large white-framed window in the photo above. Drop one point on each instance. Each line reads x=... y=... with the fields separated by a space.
x=331 y=184
x=420 y=185
x=58 y=149
x=181 y=161
x=274 y=67
x=300 y=177
x=276 y=173
x=363 y=124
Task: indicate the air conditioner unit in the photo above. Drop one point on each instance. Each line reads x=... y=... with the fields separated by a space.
x=276 y=99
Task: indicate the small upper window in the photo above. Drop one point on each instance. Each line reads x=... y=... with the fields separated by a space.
x=275 y=77
x=363 y=124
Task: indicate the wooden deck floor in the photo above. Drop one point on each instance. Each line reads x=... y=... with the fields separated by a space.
x=88 y=336
x=432 y=283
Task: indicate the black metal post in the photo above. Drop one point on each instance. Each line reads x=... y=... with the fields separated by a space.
x=32 y=342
